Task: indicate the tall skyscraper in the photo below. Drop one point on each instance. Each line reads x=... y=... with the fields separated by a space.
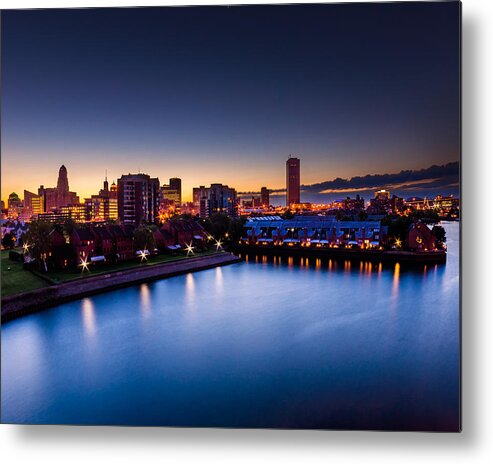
x=138 y=199
x=59 y=196
x=264 y=197
x=292 y=181
x=62 y=184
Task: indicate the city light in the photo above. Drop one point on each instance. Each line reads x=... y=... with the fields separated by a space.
x=84 y=265
x=190 y=249
x=143 y=256
x=26 y=247
x=218 y=244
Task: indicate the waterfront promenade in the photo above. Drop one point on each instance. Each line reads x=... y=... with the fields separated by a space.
x=28 y=302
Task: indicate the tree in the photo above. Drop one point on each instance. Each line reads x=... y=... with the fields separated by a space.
x=217 y=225
x=144 y=238
x=235 y=229
x=8 y=240
x=68 y=227
x=39 y=237
x=440 y=235
x=398 y=227
x=339 y=214
x=288 y=214
x=362 y=216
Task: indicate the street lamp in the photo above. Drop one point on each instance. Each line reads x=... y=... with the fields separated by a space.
x=189 y=249
x=84 y=265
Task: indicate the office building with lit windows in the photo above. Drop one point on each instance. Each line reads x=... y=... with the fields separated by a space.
x=292 y=181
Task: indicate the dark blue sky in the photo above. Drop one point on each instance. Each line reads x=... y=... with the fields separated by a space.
x=225 y=94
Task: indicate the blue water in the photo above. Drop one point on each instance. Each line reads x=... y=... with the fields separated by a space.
x=256 y=344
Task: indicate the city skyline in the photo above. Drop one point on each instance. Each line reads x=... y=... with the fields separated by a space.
x=166 y=94
x=436 y=180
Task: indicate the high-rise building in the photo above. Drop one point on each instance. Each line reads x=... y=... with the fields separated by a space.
x=175 y=184
x=217 y=198
x=138 y=199
x=56 y=197
x=292 y=181
x=104 y=206
x=198 y=194
x=264 y=197
x=33 y=204
x=170 y=196
x=15 y=205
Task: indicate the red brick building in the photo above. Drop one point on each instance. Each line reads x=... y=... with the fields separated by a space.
x=420 y=238
x=83 y=242
x=185 y=231
x=123 y=241
x=104 y=241
x=164 y=239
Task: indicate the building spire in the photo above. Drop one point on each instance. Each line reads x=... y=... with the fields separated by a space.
x=105 y=183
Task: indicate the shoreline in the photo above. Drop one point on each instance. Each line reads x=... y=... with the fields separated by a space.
x=21 y=304
x=408 y=257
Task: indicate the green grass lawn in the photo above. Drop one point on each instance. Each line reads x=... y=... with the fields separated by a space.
x=17 y=279
x=68 y=275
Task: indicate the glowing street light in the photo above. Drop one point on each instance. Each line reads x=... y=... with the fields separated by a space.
x=143 y=256
x=218 y=244
x=84 y=265
x=189 y=249
x=398 y=243
x=26 y=247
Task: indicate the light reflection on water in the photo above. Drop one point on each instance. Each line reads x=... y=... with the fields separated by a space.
x=145 y=300
x=270 y=342
x=89 y=318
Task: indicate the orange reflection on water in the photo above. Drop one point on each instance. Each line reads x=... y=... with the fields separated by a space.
x=347 y=266
x=88 y=317
x=318 y=263
x=395 y=282
x=290 y=261
x=145 y=300
x=330 y=265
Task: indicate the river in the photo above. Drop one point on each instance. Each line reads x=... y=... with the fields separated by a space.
x=262 y=343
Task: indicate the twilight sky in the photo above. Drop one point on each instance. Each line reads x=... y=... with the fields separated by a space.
x=217 y=94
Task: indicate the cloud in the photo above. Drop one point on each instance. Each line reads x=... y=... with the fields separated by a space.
x=433 y=176
x=435 y=179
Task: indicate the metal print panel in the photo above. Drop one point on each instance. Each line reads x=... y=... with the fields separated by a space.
x=232 y=216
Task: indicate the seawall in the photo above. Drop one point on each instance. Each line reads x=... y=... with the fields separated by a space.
x=28 y=302
x=403 y=257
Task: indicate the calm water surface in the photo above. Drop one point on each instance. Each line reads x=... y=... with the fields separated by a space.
x=256 y=344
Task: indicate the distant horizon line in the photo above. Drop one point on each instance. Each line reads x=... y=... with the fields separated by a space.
x=434 y=176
